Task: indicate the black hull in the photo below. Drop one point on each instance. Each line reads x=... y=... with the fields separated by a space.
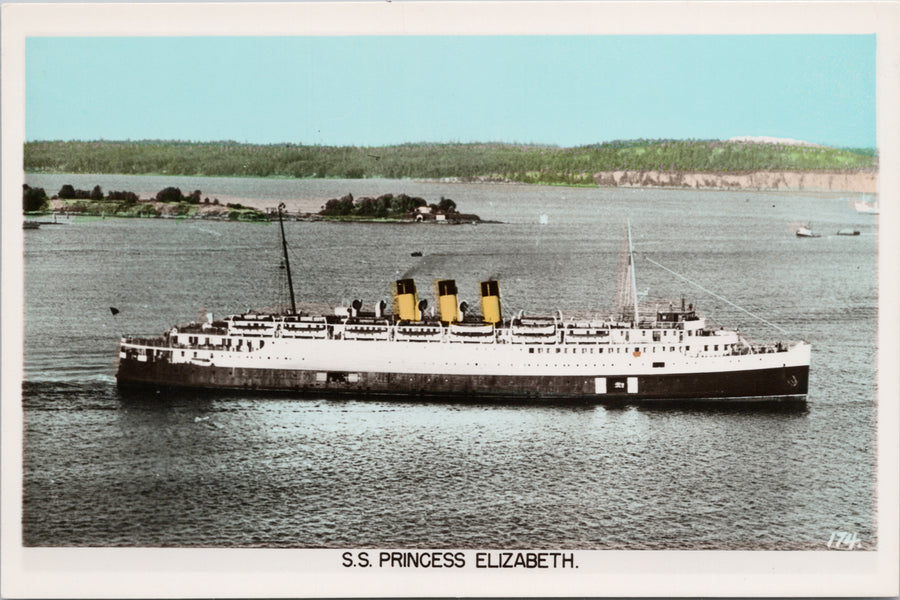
x=767 y=385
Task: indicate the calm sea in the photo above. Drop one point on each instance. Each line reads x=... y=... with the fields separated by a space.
x=107 y=468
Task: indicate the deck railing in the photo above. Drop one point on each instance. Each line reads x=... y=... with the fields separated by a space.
x=432 y=333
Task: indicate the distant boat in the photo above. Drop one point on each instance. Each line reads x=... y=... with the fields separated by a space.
x=31 y=224
x=806 y=231
x=848 y=232
x=869 y=208
x=416 y=253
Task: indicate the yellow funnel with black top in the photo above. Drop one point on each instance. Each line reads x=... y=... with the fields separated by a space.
x=406 y=302
x=447 y=302
x=490 y=302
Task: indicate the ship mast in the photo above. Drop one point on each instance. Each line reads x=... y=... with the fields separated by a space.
x=287 y=261
x=631 y=267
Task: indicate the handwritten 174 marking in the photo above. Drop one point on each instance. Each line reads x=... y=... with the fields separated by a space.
x=844 y=540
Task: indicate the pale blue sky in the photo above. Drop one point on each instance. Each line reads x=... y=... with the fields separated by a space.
x=368 y=90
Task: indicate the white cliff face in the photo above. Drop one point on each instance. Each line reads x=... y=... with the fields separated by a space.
x=851 y=181
x=763 y=139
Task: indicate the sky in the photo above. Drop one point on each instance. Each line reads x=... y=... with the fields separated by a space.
x=380 y=90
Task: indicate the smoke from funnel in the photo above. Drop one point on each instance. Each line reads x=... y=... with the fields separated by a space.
x=430 y=264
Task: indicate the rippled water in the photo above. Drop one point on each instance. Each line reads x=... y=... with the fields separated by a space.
x=107 y=468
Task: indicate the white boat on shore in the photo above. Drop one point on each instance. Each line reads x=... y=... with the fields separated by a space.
x=869 y=208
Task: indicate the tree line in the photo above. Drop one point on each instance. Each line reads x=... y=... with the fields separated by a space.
x=528 y=163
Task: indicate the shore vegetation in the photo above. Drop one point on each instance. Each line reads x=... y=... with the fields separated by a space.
x=168 y=202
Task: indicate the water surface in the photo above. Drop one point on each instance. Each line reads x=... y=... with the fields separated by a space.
x=105 y=468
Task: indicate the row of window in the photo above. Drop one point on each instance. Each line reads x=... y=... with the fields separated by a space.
x=611 y=350
x=583 y=350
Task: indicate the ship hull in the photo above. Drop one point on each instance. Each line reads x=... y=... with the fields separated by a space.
x=767 y=384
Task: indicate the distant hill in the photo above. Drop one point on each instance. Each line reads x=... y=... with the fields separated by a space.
x=510 y=162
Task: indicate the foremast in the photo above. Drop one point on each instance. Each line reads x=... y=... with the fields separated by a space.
x=626 y=284
x=287 y=261
x=634 y=297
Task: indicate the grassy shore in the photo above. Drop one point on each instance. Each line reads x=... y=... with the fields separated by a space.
x=522 y=163
x=149 y=209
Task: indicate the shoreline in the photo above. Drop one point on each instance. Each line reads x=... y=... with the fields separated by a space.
x=297 y=209
x=863 y=182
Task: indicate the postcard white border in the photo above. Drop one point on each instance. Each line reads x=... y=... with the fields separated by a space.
x=65 y=573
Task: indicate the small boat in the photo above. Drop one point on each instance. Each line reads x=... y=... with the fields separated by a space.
x=848 y=232
x=806 y=232
x=31 y=224
x=416 y=253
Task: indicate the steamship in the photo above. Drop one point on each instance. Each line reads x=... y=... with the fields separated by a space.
x=661 y=355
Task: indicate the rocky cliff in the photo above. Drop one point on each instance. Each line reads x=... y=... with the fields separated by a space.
x=846 y=181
